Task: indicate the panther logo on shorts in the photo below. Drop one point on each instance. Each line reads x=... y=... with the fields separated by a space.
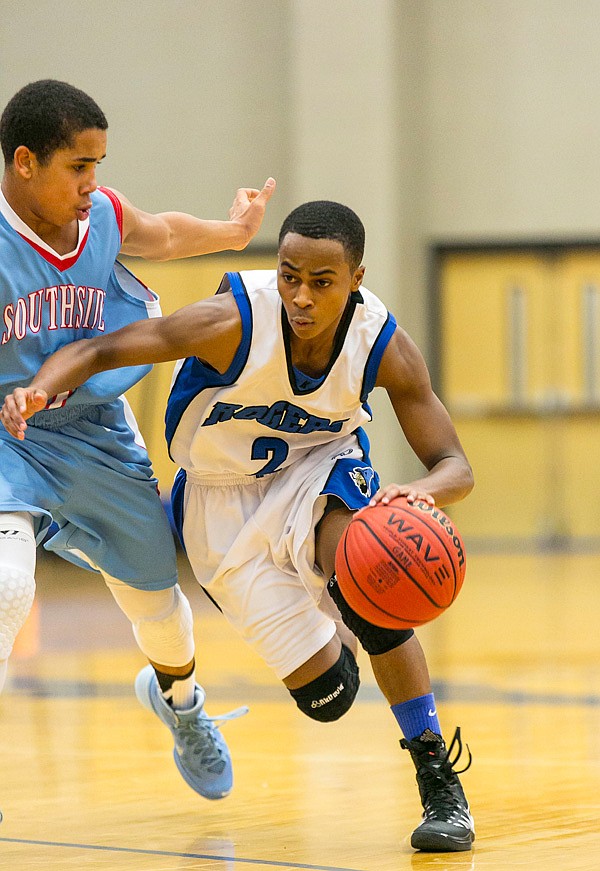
x=363 y=478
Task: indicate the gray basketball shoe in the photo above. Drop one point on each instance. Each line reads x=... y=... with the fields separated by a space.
x=200 y=751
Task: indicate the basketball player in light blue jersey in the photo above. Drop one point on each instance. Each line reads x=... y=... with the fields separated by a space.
x=266 y=418
x=84 y=464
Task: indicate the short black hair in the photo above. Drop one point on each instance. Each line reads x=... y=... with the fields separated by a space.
x=325 y=219
x=47 y=115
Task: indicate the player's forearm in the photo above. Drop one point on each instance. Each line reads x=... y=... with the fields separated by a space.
x=448 y=481
x=191 y=237
x=175 y=235
x=137 y=344
x=68 y=368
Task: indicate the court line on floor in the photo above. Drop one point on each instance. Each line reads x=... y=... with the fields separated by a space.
x=272 y=863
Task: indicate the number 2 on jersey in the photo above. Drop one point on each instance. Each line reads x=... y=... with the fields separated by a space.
x=272 y=449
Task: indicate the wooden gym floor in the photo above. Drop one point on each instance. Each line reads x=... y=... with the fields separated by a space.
x=87 y=778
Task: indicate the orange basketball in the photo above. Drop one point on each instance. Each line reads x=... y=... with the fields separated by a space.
x=400 y=565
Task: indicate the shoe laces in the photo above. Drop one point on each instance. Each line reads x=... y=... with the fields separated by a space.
x=440 y=789
x=204 y=727
x=459 y=749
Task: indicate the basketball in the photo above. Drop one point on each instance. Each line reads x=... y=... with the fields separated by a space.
x=400 y=565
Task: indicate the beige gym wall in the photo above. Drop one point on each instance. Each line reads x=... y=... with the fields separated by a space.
x=435 y=119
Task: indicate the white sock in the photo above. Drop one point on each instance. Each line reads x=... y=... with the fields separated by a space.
x=182 y=692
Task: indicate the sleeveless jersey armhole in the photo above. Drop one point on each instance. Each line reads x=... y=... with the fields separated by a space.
x=116 y=204
x=377 y=351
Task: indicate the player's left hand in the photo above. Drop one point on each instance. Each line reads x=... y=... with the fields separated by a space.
x=248 y=208
x=394 y=491
x=22 y=403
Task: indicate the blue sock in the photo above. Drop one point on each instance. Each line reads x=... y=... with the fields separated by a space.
x=417 y=715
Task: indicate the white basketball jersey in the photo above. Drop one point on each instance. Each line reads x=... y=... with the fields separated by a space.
x=262 y=415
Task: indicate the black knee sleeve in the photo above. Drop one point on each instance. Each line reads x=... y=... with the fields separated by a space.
x=373 y=638
x=329 y=696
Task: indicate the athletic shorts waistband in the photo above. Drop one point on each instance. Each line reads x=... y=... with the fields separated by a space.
x=231 y=480
x=55 y=418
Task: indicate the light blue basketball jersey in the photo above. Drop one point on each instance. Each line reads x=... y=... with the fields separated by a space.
x=48 y=301
x=82 y=463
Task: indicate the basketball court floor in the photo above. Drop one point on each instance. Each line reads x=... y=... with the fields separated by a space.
x=87 y=779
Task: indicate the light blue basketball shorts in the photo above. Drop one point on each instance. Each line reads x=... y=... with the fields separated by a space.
x=95 y=481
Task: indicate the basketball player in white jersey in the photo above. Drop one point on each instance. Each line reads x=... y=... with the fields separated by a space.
x=265 y=420
x=84 y=465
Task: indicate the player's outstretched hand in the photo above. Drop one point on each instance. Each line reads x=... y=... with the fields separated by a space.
x=394 y=491
x=248 y=208
x=18 y=406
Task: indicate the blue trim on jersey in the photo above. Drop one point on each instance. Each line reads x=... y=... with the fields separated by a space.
x=367 y=408
x=364 y=443
x=195 y=376
x=177 y=494
x=374 y=360
x=306 y=382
